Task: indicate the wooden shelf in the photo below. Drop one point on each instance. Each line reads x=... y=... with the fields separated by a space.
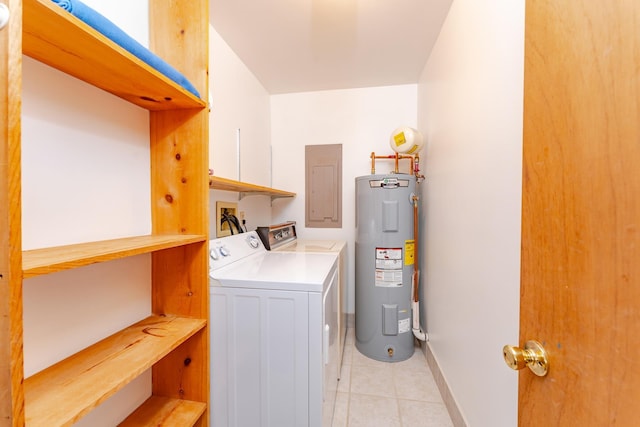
x=163 y=411
x=246 y=189
x=55 y=37
x=63 y=393
x=50 y=260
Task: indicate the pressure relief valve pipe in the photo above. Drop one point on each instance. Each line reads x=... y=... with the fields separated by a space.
x=415 y=301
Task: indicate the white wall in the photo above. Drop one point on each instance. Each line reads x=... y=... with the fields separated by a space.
x=362 y=120
x=85 y=176
x=470 y=110
x=239 y=101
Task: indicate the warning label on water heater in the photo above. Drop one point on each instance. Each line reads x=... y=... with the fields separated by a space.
x=409 y=249
x=388 y=267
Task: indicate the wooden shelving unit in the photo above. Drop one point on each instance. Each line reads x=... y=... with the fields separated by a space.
x=173 y=341
x=246 y=189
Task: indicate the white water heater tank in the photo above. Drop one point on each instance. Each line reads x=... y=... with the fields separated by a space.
x=406 y=140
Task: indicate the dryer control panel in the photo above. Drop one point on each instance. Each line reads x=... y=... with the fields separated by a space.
x=227 y=250
x=277 y=235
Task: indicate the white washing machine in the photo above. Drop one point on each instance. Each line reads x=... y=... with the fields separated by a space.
x=270 y=340
x=283 y=238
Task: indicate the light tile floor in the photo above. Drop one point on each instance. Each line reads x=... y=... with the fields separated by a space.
x=381 y=394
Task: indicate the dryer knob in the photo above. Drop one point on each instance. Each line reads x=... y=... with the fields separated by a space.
x=253 y=242
x=213 y=253
x=224 y=251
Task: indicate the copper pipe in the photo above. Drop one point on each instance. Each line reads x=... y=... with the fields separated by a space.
x=396 y=157
x=416 y=270
x=373 y=163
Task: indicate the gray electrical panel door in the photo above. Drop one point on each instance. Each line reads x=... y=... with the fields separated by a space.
x=323 y=186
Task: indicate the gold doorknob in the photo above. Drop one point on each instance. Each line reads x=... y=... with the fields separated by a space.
x=533 y=356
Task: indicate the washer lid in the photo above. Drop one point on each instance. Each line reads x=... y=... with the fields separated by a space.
x=305 y=245
x=295 y=271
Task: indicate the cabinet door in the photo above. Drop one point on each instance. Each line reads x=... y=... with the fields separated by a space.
x=259 y=357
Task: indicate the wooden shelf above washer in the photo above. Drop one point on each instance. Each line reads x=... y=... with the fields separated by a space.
x=246 y=189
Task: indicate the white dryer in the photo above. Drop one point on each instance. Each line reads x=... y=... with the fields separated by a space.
x=268 y=338
x=284 y=238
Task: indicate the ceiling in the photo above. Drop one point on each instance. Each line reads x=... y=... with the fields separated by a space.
x=309 y=45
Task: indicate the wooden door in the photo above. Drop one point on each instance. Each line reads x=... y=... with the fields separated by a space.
x=580 y=291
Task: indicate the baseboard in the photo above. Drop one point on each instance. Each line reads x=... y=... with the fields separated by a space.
x=452 y=407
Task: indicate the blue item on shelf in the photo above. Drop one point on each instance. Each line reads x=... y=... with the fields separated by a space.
x=113 y=32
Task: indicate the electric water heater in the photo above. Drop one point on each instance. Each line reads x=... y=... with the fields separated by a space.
x=384 y=266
